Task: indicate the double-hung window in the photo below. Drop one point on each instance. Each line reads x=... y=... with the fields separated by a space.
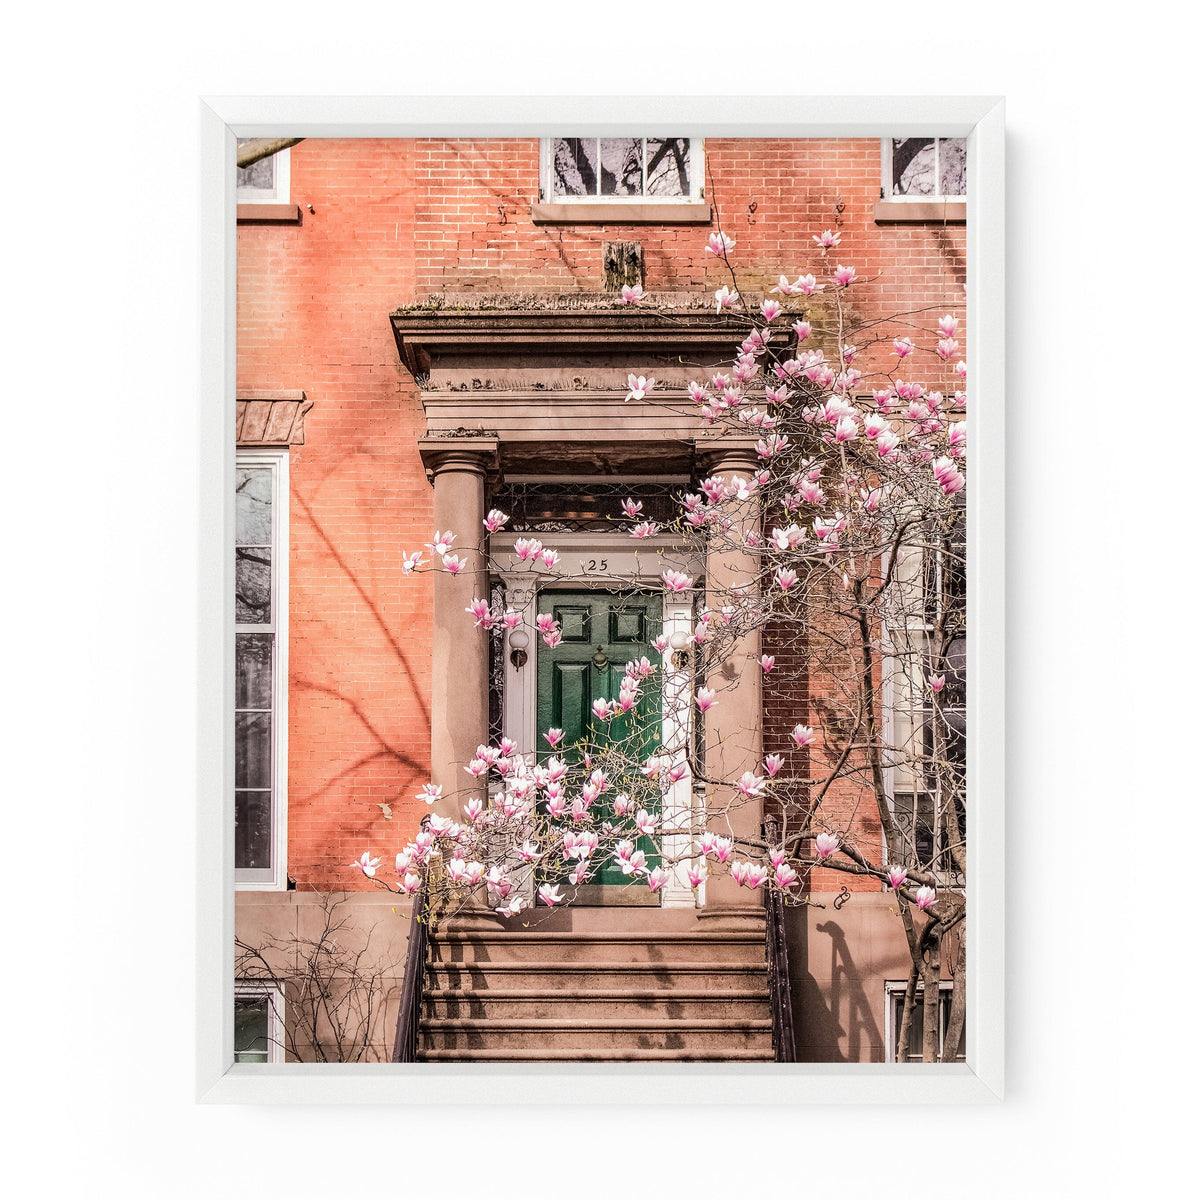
x=924 y=168
x=266 y=181
x=257 y=1023
x=622 y=180
x=927 y=757
x=260 y=675
x=916 y=1034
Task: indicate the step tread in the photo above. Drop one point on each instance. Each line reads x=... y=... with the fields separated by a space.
x=584 y=964
x=550 y=937
x=715 y=994
x=671 y=1024
x=613 y=1056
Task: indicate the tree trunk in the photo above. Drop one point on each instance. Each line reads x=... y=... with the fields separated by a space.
x=958 y=1001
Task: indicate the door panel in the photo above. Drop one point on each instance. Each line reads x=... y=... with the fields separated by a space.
x=601 y=632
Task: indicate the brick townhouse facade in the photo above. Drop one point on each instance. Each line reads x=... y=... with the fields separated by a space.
x=428 y=327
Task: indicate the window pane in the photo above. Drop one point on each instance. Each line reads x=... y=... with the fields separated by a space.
x=575 y=167
x=621 y=166
x=252 y=578
x=253 y=506
x=250 y=1029
x=252 y=750
x=952 y=161
x=252 y=830
x=914 y=166
x=252 y=678
x=916 y=1031
x=260 y=175
x=668 y=167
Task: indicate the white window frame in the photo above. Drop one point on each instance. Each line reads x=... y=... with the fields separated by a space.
x=273 y=879
x=280 y=193
x=696 y=180
x=252 y=989
x=948 y=878
x=894 y=989
x=887 y=183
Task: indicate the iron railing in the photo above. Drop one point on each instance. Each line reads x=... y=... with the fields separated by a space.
x=783 y=1027
x=412 y=995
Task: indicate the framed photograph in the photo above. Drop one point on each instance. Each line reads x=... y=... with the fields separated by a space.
x=602 y=641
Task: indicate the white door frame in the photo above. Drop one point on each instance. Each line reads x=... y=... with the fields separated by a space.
x=603 y=561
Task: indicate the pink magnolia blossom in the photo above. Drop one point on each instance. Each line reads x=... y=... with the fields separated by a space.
x=802 y=328
x=803 y=735
x=847 y=430
x=495 y=520
x=784 y=288
x=527 y=548
x=657 y=878
x=903 y=347
x=511 y=619
x=410 y=883
x=751 y=784
x=773 y=764
x=696 y=875
x=602 y=709
x=549 y=559
x=473 y=810
x=948 y=326
x=676 y=581
x=553 y=638
x=632 y=295
x=725 y=298
x=430 y=793
x=807 y=285
x=771 y=309
x=843 y=276
x=825 y=844
x=645 y=822
x=477 y=767
x=896 y=877
x=411 y=562
x=827 y=240
x=720 y=244
x=481 y=610
x=549 y=895
x=677 y=772
x=785 y=876
x=512 y=906
x=960 y=369
x=936 y=683
x=661 y=642
x=545 y=623
x=926 y=898
x=631 y=507
x=367 y=864
x=453 y=563
x=441 y=542
x=639 y=385
x=553 y=736
x=706 y=698
x=767 y=662
x=529 y=851
x=785 y=579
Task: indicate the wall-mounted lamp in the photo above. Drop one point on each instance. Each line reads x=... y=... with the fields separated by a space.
x=680 y=656
x=518 y=645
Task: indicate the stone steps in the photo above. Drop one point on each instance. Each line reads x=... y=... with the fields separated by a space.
x=596 y=995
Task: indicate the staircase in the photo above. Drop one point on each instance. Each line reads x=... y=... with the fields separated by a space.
x=602 y=994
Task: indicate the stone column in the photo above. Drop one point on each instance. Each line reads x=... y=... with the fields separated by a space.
x=459 y=709
x=733 y=726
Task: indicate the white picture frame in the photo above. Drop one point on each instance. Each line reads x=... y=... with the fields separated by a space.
x=981 y=1079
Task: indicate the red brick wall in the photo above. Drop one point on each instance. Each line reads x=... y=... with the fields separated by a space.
x=386 y=223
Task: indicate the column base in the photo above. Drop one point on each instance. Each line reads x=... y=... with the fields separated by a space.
x=731 y=918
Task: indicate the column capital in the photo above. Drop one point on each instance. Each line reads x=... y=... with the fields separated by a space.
x=477 y=455
x=718 y=455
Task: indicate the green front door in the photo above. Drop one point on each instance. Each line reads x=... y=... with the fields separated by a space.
x=601 y=632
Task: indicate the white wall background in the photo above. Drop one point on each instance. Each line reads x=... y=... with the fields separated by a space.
x=99 y=406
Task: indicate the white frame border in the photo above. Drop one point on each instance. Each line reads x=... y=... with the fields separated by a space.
x=218 y=1079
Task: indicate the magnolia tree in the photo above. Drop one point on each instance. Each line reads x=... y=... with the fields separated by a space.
x=849 y=540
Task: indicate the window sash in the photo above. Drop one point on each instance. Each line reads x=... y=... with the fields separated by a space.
x=694 y=194
x=260 y=707
x=889 y=189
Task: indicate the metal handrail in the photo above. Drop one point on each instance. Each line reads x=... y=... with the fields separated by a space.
x=412 y=995
x=783 y=1027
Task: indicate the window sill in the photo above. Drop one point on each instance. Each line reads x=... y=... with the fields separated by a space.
x=268 y=214
x=621 y=212
x=925 y=212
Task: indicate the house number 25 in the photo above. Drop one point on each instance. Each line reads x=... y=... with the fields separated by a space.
x=596 y=564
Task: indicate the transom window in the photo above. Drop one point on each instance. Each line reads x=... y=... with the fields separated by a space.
x=924 y=168
x=622 y=168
